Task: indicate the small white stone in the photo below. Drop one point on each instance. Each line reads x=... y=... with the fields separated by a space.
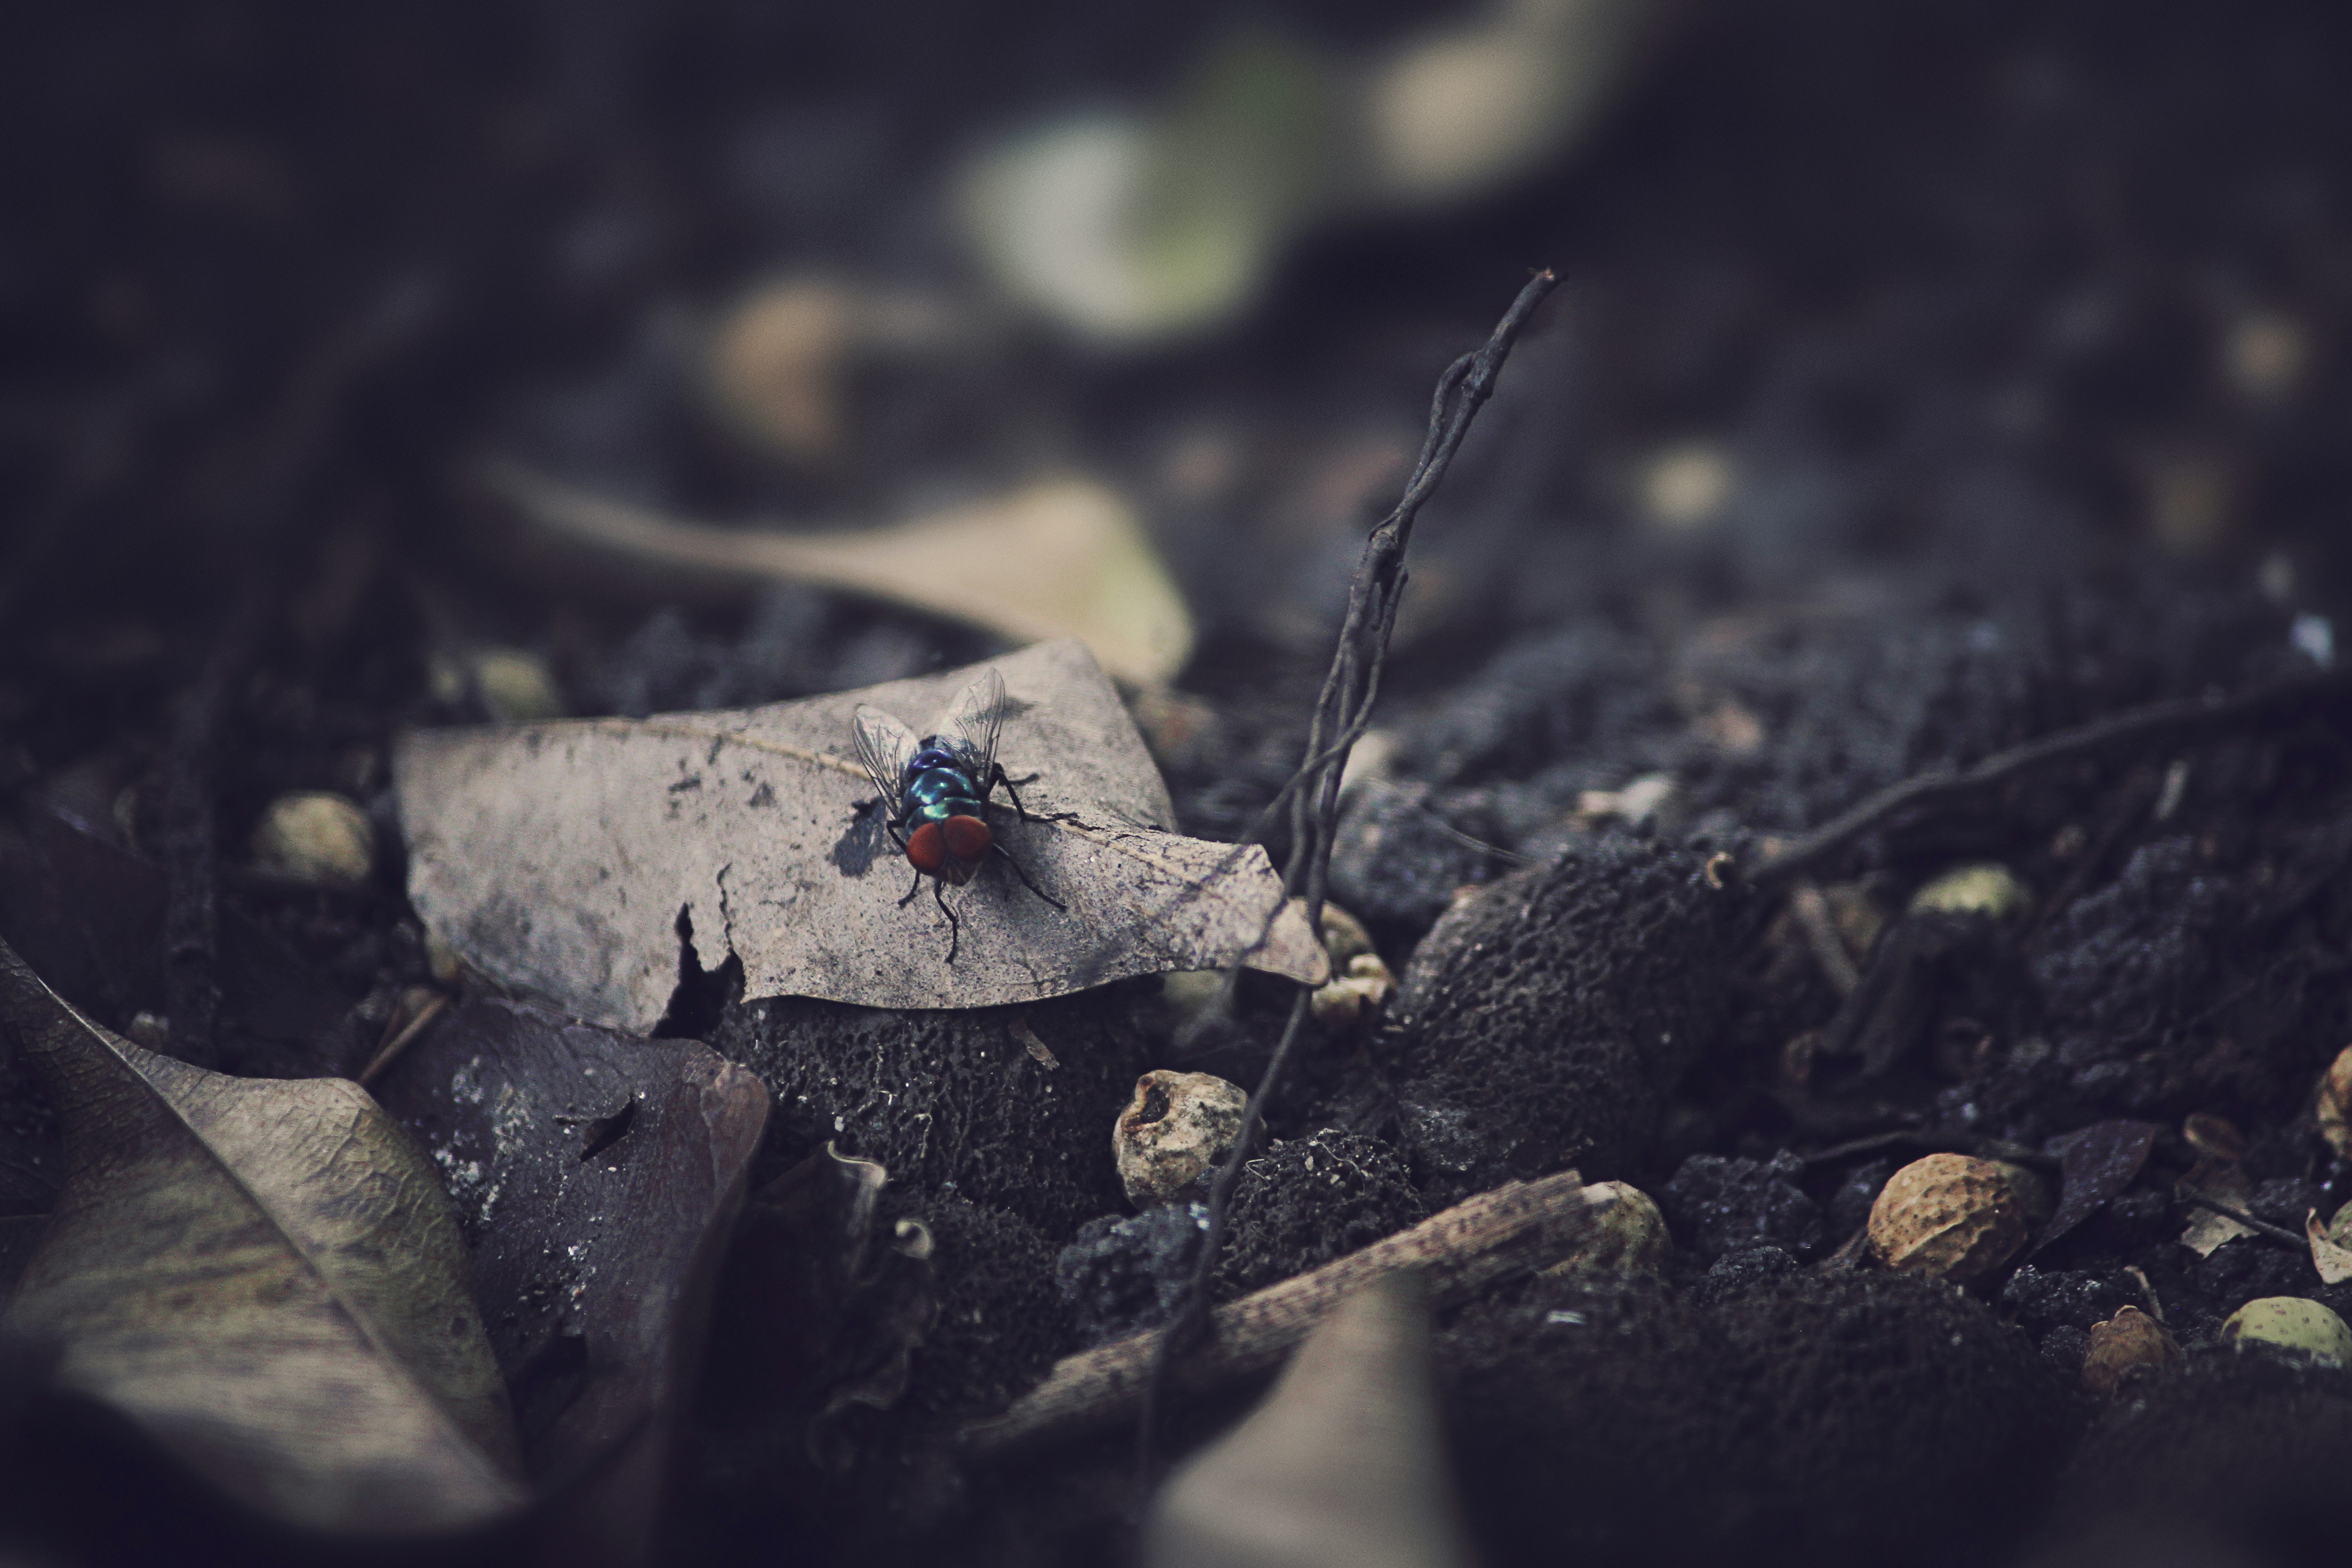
x=315 y=836
x=1171 y=1136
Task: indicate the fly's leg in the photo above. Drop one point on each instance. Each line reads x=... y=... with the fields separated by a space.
x=998 y=776
x=911 y=891
x=1026 y=882
x=955 y=926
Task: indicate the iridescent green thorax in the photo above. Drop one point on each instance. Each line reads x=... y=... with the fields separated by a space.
x=935 y=794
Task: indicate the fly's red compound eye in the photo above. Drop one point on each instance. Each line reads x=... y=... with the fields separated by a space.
x=968 y=837
x=927 y=848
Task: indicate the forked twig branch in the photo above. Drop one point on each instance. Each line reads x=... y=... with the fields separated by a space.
x=2133 y=727
x=1342 y=711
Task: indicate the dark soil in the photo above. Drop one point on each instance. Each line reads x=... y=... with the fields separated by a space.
x=1968 y=304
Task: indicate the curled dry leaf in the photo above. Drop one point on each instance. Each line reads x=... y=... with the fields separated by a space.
x=2223 y=1181
x=264 y=1276
x=1060 y=557
x=596 y=1178
x=2329 y=1254
x=2334 y=1107
x=566 y=860
x=1343 y=1464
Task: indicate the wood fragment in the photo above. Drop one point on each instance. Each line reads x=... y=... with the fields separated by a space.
x=1514 y=1229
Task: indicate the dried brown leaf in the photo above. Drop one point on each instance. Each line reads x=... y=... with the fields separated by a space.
x=596 y=1176
x=2224 y=1183
x=1061 y=557
x=557 y=859
x=264 y=1276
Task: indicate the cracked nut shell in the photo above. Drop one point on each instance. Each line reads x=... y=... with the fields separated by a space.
x=2129 y=1339
x=1948 y=1216
x=1173 y=1132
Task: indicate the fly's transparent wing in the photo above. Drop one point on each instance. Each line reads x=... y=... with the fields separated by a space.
x=972 y=724
x=884 y=744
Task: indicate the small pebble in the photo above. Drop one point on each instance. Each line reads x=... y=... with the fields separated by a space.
x=1948 y=1216
x=315 y=836
x=2291 y=1323
x=1173 y=1132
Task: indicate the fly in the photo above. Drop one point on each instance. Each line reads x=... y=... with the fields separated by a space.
x=936 y=792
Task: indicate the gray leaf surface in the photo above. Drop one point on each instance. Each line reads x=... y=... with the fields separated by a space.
x=557 y=859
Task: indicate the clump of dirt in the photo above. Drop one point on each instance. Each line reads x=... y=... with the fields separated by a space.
x=2241 y=1449
x=1833 y=1416
x=1541 y=1023
x=1001 y=1324
x=1578 y=1410
x=1879 y=1411
x=1719 y=1205
x=1303 y=1203
x=953 y=1102
x=1121 y=1274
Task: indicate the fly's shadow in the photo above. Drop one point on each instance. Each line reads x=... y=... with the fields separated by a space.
x=865 y=839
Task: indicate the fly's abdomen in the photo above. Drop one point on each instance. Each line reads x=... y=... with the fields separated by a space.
x=934 y=795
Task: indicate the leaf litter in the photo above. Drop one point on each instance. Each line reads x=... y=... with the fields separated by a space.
x=595 y=863
x=264 y=1276
x=596 y=1178
x=1059 y=557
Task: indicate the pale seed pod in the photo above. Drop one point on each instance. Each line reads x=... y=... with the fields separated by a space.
x=2129 y=1339
x=1173 y=1133
x=1948 y=1216
x=1630 y=1236
x=2291 y=1323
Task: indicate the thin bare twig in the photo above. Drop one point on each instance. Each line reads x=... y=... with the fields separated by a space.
x=1342 y=712
x=391 y=1050
x=2275 y=1232
x=2136 y=726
